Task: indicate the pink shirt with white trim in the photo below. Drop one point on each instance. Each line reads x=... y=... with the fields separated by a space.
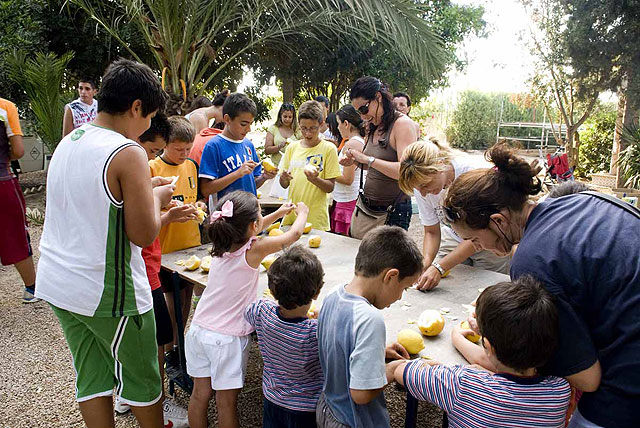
x=231 y=286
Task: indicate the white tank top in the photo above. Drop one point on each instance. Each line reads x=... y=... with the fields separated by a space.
x=82 y=113
x=344 y=193
x=87 y=264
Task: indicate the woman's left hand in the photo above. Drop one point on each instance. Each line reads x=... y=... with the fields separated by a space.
x=357 y=156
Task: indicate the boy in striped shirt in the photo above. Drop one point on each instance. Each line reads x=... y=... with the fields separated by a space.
x=292 y=377
x=519 y=325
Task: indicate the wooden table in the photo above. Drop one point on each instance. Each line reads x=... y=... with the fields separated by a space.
x=268 y=201
x=338 y=253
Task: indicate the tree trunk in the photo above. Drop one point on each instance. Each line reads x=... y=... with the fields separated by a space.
x=287 y=87
x=627 y=115
x=569 y=146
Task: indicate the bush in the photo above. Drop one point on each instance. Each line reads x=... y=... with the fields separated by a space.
x=596 y=142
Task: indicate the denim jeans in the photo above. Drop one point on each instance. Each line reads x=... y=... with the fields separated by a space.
x=401 y=215
x=579 y=421
x=274 y=416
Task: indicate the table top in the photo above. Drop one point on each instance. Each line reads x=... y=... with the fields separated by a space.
x=337 y=254
x=268 y=201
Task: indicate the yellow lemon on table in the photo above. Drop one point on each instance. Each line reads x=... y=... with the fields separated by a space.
x=430 y=322
x=205 y=264
x=475 y=338
x=268 y=165
x=268 y=261
x=259 y=194
x=313 y=310
x=273 y=226
x=276 y=232
x=411 y=340
x=192 y=263
x=314 y=241
x=307 y=227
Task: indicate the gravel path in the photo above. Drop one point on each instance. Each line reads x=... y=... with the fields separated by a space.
x=37 y=376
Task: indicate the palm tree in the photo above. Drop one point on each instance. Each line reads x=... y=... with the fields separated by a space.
x=193 y=41
x=41 y=78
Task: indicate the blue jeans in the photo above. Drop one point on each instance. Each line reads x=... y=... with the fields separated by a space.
x=401 y=215
x=579 y=421
x=274 y=416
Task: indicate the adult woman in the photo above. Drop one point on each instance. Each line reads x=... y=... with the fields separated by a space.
x=279 y=134
x=390 y=132
x=426 y=170
x=345 y=192
x=584 y=249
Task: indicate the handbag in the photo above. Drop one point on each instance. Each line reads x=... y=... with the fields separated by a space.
x=364 y=219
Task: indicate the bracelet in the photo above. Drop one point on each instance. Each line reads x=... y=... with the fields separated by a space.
x=438 y=267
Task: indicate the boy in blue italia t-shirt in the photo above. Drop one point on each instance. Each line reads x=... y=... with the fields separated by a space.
x=352 y=333
x=229 y=160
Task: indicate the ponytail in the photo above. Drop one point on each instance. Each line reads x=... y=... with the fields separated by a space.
x=226 y=229
x=420 y=162
x=476 y=195
x=351 y=115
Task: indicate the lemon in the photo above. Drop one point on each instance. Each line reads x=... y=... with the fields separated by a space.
x=411 y=340
x=430 y=322
x=205 y=264
x=268 y=165
x=201 y=215
x=475 y=338
x=313 y=310
x=192 y=263
x=259 y=194
x=314 y=241
x=273 y=226
x=307 y=227
x=276 y=232
x=311 y=168
x=267 y=261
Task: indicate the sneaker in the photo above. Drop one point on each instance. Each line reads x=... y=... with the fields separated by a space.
x=174 y=415
x=29 y=297
x=120 y=407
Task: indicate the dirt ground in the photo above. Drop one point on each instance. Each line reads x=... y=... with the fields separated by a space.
x=37 y=376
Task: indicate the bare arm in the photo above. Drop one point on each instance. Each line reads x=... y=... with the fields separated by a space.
x=17 y=147
x=364 y=396
x=471 y=352
x=587 y=380
x=462 y=252
x=208 y=187
x=129 y=181
x=67 y=122
x=285 y=209
x=431 y=243
x=199 y=121
x=269 y=146
x=324 y=184
x=348 y=172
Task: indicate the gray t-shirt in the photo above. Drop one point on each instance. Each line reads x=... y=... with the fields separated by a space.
x=351 y=340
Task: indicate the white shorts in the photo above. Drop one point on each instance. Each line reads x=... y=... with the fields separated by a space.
x=221 y=357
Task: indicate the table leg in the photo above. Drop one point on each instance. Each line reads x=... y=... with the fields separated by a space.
x=411 y=417
x=186 y=382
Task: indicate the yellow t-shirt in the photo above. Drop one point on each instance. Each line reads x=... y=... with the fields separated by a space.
x=178 y=236
x=323 y=156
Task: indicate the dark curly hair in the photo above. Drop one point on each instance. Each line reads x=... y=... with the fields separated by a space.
x=296 y=277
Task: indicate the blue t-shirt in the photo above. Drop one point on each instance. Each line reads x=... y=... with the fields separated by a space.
x=351 y=340
x=222 y=156
x=586 y=252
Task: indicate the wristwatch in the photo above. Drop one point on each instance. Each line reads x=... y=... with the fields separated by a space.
x=371 y=160
x=438 y=267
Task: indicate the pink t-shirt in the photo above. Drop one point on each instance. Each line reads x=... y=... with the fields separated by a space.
x=231 y=286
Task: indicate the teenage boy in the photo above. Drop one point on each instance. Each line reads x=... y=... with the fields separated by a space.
x=83 y=110
x=15 y=245
x=310 y=167
x=519 y=325
x=352 y=334
x=288 y=340
x=101 y=210
x=402 y=102
x=229 y=160
x=324 y=127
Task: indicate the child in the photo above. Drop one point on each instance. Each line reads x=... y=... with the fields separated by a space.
x=229 y=160
x=311 y=167
x=519 y=325
x=153 y=141
x=352 y=335
x=292 y=377
x=217 y=344
x=183 y=233
x=101 y=210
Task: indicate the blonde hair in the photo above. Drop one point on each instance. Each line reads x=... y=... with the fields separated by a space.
x=181 y=130
x=420 y=161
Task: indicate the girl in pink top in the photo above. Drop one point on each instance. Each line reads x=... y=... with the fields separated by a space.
x=217 y=342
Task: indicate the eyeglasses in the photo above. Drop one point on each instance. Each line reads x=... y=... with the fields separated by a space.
x=364 y=109
x=312 y=129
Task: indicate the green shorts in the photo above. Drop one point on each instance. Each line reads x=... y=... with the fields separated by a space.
x=109 y=353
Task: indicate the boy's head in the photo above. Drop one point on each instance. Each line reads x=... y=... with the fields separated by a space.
x=296 y=277
x=390 y=256
x=180 y=141
x=310 y=117
x=155 y=138
x=132 y=92
x=324 y=102
x=87 y=89
x=519 y=320
x=238 y=112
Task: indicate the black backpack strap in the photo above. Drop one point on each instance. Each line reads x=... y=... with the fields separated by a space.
x=612 y=199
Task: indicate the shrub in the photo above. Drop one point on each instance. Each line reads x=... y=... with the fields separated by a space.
x=596 y=142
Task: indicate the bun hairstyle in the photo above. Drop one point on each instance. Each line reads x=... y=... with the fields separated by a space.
x=476 y=195
x=224 y=232
x=350 y=114
x=218 y=100
x=420 y=161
